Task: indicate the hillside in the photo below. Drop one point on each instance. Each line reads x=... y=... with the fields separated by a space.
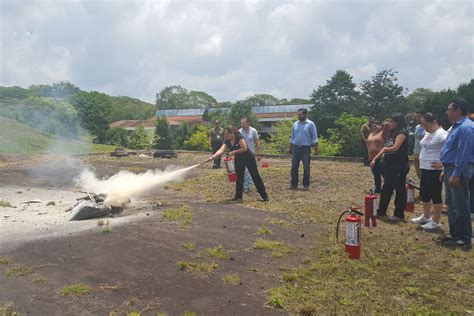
x=17 y=138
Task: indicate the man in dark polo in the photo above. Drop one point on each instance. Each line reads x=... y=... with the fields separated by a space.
x=457 y=156
x=216 y=139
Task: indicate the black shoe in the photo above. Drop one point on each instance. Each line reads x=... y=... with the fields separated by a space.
x=292 y=187
x=216 y=167
x=265 y=199
x=236 y=199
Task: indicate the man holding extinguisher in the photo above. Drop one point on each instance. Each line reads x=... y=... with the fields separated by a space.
x=303 y=136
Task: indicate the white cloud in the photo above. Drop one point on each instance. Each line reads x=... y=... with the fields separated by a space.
x=234 y=48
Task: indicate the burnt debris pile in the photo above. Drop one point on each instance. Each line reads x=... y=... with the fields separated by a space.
x=92 y=206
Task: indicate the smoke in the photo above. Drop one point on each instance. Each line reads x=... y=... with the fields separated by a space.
x=120 y=187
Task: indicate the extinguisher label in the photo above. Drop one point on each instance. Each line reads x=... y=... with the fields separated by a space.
x=410 y=195
x=375 y=206
x=352 y=234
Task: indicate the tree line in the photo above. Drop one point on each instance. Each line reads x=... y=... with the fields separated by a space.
x=339 y=108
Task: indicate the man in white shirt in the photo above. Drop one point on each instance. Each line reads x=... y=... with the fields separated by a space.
x=251 y=137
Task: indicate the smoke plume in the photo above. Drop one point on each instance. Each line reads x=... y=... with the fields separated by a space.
x=124 y=185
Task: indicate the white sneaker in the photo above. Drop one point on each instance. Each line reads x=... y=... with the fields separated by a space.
x=420 y=220
x=431 y=225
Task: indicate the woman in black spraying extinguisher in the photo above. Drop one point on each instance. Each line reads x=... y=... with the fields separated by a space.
x=244 y=158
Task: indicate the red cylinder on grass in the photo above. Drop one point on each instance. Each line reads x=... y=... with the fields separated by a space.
x=410 y=206
x=352 y=246
x=370 y=214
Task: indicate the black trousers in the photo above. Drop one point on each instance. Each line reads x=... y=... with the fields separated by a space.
x=216 y=145
x=377 y=172
x=249 y=162
x=394 y=179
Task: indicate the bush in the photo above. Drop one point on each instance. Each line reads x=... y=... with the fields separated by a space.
x=139 y=139
x=117 y=136
x=199 y=140
x=346 y=135
x=326 y=148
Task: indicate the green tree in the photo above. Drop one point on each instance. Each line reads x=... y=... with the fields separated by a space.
x=261 y=100
x=337 y=96
x=60 y=90
x=139 y=139
x=280 y=137
x=466 y=91
x=93 y=109
x=181 y=134
x=382 y=95
x=177 y=97
x=162 y=138
x=118 y=136
x=418 y=98
x=199 y=140
x=201 y=100
x=239 y=110
x=346 y=135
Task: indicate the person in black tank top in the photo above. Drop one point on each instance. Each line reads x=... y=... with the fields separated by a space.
x=395 y=167
x=244 y=158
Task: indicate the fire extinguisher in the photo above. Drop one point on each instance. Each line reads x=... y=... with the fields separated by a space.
x=370 y=214
x=410 y=206
x=230 y=167
x=353 y=226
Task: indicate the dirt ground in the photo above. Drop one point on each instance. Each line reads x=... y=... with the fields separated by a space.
x=135 y=266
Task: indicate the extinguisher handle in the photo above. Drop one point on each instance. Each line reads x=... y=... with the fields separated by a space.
x=357 y=212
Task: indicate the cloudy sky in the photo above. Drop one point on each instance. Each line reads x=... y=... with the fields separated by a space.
x=233 y=49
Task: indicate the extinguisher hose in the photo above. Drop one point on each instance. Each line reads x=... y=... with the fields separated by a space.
x=338 y=222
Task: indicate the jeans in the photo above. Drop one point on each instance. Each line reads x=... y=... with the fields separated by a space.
x=471 y=193
x=247 y=180
x=394 y=179
x=300 y=153
x=457 y=200
x=377 y=172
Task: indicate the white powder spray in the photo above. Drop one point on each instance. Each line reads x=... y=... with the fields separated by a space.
x=120 y=187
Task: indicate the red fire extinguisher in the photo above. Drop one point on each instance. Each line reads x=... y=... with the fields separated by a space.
x=410 y=206
x=353 y=226
x=265 y=164
x=230 y=167
x=370 y=214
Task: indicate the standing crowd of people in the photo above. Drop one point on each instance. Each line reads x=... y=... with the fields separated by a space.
x=439 y=156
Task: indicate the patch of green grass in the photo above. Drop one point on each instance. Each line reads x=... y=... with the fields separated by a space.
x=217 y=252
x=134 y=313
x=189 y=245
x=181 y=215
x=38 y=279
x=106 y=230
x=264 y=230
x=5 y=203
x=198 y=268
x=8 y=310
x=278 y=248
x=75 y=289
x=6 y=260
x=18 y=270
x=188 y=313
x=231 y=279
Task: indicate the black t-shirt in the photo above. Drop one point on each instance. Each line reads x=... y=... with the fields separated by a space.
x=397 y=159
x=236 y=146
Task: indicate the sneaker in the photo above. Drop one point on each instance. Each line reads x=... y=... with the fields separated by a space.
x=265 y=199
x=431 y=225
x=292 y=187
x=306 y=188
x=421 y=220
x=236 y=199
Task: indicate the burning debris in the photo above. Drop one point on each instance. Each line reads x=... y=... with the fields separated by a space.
x=92 y=206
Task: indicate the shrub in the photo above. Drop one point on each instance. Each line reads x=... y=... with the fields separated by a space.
x=199 y=140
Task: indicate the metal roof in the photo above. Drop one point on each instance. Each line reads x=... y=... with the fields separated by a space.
x=256 y=109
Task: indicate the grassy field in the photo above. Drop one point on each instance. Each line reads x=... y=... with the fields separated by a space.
x=403 y=270
x=17 y=138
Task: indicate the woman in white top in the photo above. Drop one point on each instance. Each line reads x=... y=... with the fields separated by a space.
x=430 y=185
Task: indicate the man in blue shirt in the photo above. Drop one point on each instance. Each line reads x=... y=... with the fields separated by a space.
x=303 y=136
x=457 y=156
